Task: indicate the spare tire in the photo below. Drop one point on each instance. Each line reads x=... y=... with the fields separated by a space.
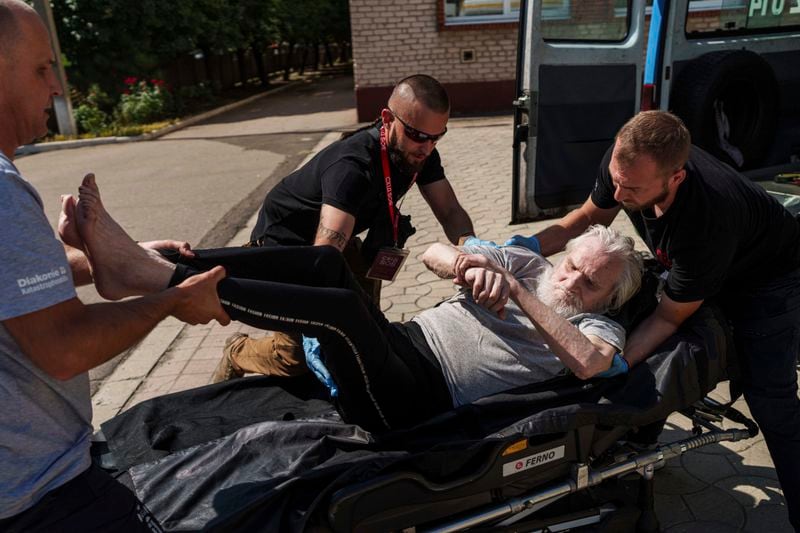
x=736 y=87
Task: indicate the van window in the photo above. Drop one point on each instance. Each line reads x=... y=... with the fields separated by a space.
x=735 y=17
x=492 y=11
x=587 y=21
x=479 y=11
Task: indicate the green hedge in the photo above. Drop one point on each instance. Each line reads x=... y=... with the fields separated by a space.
x=106 y=41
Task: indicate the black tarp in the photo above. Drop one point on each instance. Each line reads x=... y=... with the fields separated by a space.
x=264 y=454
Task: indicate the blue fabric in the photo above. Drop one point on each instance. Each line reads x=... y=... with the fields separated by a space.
x=618 y=366
x=766 y=329
x=475 y=241
x=312 y=349
x=531 y=243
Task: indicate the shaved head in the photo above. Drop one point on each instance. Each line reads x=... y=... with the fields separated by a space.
x=28 y=82
x=415 y=119
x=423 y=89
x=12 y=14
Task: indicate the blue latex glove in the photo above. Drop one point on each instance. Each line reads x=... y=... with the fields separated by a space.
x=618 y=366
x=474 y=241
x=314 y=361
x=531 y=243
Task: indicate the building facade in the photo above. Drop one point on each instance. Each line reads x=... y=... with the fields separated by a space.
x=471 y=45
x=474 y=59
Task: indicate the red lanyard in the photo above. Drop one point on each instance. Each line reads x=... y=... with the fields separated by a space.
x=394 y=216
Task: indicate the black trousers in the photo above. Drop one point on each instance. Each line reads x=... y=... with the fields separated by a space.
x=385 y=380
x=91 y=502
x=766 y=329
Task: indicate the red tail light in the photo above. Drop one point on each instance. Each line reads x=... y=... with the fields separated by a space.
x=648 y=97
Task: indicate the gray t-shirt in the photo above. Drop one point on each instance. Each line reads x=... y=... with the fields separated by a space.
x=45 y=424
x=481 y=354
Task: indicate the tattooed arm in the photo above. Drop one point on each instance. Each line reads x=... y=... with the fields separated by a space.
x=335 y=227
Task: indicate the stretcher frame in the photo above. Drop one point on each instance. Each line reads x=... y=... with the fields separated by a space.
x=521 y=511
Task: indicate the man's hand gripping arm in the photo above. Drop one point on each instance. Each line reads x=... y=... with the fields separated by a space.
x=489 y=288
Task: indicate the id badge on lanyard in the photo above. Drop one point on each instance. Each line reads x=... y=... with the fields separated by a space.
x=387 y=263
x=390 y=259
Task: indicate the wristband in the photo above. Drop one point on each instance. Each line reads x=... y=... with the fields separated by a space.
x=619 y=365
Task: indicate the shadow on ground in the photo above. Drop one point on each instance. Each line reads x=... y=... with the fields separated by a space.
x=332 y=90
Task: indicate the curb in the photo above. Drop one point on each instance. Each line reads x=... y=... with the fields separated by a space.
x=30 y=149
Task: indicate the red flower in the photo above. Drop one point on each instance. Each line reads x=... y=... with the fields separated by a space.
x=131 y=80
x=157 y=82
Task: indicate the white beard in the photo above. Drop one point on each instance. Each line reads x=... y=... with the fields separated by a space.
x=563 y=303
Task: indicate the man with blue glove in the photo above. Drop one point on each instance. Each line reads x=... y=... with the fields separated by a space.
x=720 y=237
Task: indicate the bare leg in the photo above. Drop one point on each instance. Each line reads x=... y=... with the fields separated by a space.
x=120 y=267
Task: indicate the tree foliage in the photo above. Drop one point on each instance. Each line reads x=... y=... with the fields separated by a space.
x=105 y=41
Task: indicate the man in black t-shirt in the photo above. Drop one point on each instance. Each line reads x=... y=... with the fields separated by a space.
x=341 y=192
x=718 y=236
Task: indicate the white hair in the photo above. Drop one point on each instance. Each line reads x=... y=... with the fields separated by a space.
x=614 y=244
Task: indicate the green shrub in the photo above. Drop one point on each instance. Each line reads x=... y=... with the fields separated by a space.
x=143 y=102
x=90 y=119
x=92 y=109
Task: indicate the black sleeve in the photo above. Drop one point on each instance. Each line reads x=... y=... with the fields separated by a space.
x=700 y=268
x=432 y=171
x=603 y=192
x=344 y=185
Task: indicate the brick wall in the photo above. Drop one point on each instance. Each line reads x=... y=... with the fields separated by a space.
x=392 y=40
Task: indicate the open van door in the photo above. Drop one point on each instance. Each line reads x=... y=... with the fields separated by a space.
x=579 y=78
x=731 y=71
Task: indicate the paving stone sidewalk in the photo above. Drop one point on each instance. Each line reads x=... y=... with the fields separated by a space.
x=720 y=488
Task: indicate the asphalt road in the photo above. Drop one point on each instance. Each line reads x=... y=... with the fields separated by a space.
x=202 y=183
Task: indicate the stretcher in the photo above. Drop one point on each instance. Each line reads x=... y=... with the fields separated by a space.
x=267 y=454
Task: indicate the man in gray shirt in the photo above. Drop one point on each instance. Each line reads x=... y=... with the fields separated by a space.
x=48 y=338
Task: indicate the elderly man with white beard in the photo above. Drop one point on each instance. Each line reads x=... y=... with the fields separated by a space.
x=517 y=320
x=552 y=322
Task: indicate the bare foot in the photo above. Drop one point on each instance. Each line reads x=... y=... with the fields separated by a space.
x=120 y=267
x=67 y=225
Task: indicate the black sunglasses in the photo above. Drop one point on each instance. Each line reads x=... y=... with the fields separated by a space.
x=416 y=135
